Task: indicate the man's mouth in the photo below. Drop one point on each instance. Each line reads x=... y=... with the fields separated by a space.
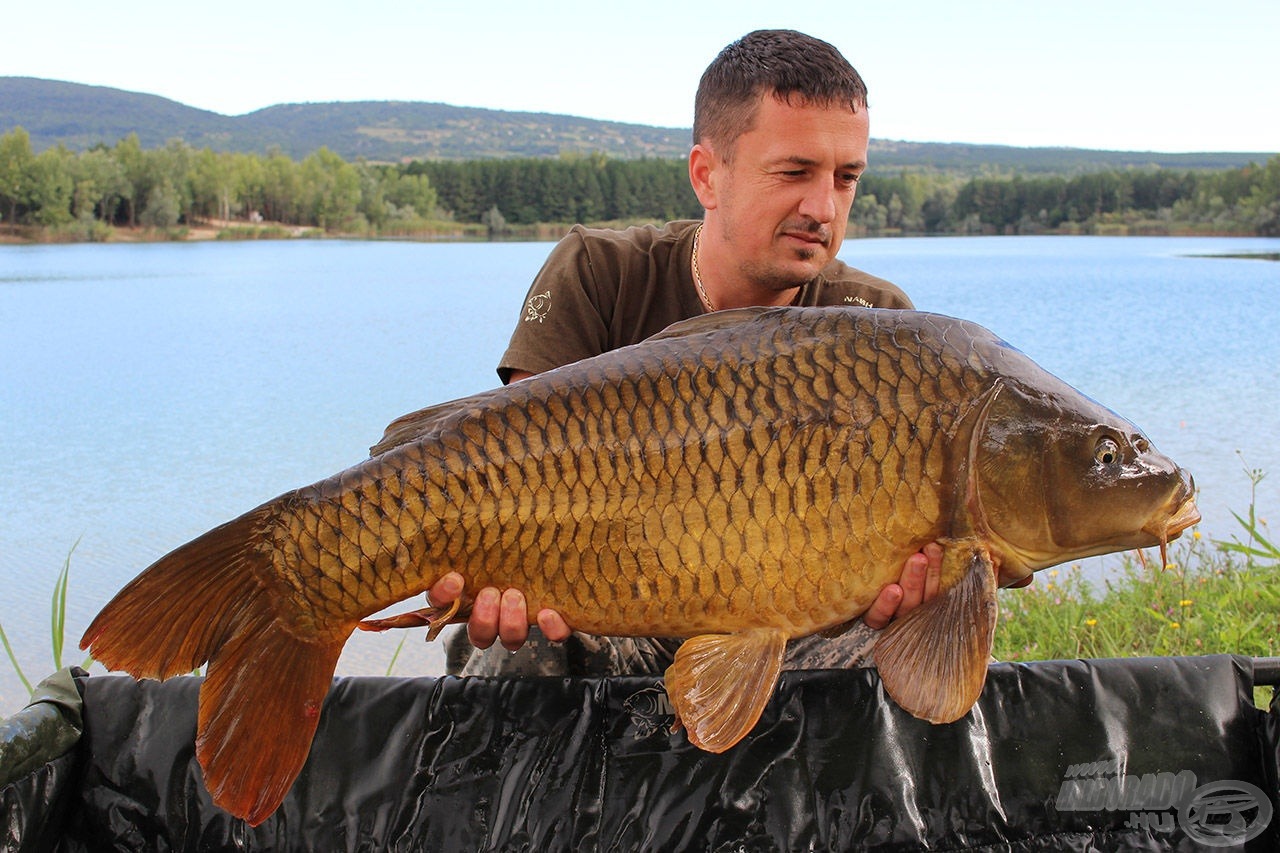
x=808 y=233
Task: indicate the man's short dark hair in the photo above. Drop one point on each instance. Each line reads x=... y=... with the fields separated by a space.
x=785 y=63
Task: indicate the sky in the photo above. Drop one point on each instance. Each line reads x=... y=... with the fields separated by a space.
x=1131 y=75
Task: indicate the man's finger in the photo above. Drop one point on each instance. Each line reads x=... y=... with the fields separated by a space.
x=883 y=608
x=553 y=626
x=482 y=627
x=513 y=620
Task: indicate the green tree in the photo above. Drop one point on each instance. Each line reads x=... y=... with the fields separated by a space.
x=171 y=171
x=868 y=213
x=138 y=178
x=52 y=187
x=330 y=190
x=16 y=176
x=281 y=190
x=163 y=207
x=215 y=184
x=100 y=185
x=413 y=192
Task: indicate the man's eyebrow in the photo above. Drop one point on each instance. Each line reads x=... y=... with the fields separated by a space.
x=797 y=160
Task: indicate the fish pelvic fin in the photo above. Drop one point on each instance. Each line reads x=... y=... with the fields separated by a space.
x=720 y=683
x=933 y=661
x=265 y=684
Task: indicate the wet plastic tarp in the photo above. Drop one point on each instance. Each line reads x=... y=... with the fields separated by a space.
x=1137 y=754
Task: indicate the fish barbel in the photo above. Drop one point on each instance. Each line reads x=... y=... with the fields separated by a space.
x=743 y=478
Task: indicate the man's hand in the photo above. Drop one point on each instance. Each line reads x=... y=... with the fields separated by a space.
x=918 y=584
x=504 y=616
x=498 y=615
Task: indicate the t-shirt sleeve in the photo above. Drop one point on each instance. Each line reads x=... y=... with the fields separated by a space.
x=563 y=318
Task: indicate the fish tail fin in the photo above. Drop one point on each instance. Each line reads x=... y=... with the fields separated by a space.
x=259 y=708
x=265 y=684
x=176 y=614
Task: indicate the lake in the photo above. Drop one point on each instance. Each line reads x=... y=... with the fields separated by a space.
x=151 y=392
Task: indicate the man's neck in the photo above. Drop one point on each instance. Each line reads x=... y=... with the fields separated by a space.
x=721 y=285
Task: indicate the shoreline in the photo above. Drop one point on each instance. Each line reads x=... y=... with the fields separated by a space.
x=231 y=230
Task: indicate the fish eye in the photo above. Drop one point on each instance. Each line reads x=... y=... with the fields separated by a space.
x=1107 y=452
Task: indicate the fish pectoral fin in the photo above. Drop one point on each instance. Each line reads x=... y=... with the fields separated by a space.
x=720 y=683
x=933 y=661
x=435 y=618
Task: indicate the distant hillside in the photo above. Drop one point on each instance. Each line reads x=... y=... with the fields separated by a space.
x=81 y=116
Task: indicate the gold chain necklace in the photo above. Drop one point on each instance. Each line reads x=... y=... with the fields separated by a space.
x=697 y=277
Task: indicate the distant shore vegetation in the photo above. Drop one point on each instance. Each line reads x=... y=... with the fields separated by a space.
x=125 y=192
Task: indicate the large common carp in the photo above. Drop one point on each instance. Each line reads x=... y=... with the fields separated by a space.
x=742 y=478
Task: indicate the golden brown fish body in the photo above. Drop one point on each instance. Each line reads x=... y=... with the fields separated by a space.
x=743 y=478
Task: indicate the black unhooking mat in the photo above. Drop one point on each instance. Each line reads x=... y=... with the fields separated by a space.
x=1136 y=754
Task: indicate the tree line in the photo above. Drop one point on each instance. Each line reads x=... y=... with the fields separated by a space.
x=83 y=195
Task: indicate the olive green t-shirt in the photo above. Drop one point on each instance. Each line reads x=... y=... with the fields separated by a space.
x=602 y=289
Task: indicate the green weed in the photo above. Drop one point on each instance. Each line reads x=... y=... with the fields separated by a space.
x=57 y=624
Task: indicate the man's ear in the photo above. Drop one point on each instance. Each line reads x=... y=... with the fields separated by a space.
x=704 y=175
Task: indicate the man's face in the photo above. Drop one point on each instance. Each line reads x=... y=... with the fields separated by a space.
x=781 y=203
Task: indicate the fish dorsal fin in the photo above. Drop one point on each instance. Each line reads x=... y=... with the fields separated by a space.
x=933 y=661
x=712 y=322
x=720 y=683
x=411 y=427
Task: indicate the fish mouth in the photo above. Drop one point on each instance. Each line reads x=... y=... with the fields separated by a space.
x=1168 y=527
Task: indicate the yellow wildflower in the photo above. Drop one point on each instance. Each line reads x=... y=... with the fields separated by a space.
x=1175 y=625
x=1091 y=622
x=1186 y=602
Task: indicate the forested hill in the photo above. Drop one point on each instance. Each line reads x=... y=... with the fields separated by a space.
x=80 y=116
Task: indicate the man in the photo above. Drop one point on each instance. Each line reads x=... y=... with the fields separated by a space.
x=781 y=132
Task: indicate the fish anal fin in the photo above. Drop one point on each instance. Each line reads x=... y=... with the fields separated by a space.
x=434 y=618
x=259 y=708
x=933 y=661
x=720 y=683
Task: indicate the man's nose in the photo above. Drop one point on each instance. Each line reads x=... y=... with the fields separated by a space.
x=819 y=202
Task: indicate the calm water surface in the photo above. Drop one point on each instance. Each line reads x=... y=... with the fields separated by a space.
x=151 y=392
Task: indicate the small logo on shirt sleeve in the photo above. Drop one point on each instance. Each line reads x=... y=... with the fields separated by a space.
x=858 y=300
x=538 y=306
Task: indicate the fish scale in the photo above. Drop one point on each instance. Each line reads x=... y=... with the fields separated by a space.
x=743 y=478
x=694 y=472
